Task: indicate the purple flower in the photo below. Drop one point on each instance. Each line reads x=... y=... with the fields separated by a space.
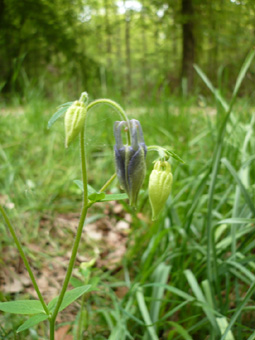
x=130 y=159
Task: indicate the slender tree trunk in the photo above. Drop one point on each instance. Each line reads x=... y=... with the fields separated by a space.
x=213 y=40
x=108 y=34
x=188 y=43
x=119 y=54
x=144 y=47
x=128 y=51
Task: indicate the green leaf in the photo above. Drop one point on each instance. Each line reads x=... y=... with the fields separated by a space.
x=160 y=276
x=175 y=156
x=239 y=309
x=76 y=282
x=145 y=314
x=114 y=197
x=70 y=297
x=203 y=76
x=200 y=297
x=97 y=196
x=171 y=289
x=22 y=307
x=223 y=324
x=180 y=330
x=237 y=220
x=243 y=71
x=34 y=320
x=245 y=193
x=252 y=337
x=61 y=110
x=80 y=185
x=211 y=87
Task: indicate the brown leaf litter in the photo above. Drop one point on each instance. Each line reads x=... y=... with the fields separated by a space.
x=104 y=240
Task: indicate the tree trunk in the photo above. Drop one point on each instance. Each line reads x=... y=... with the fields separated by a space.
x=108 y=34
x=144 y=47
x=128 y=51
x=188 y=43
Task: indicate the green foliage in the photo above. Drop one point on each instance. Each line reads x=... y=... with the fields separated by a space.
x=169 y=292
x=31 y=322
x=22 y=307
x=130 y=48
x=95 y=196
x=70 y=297
x=35 y=307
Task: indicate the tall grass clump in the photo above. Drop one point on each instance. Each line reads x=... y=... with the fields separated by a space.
x=190 y=275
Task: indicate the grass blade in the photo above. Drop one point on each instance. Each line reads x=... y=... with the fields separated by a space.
x=200 y=297
x=180 y=330
x=161 y=276
x=239 y=310
x=223 y=324
x=145 y=314
x=242 y=72
x=239 y=182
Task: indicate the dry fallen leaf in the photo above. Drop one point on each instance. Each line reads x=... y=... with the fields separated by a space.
x=62 y=333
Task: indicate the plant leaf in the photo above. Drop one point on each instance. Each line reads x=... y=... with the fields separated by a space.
x=175 y=156
x=76 y=282
x=200 y=297
x=34 y=320
x=240 y=184
x=145 y=314
x=114 y=197
x=211 y=87
x=79 y=183
x=243 y=72
x=61 y=110
x=180 y=330
x=239 y=309
x=22 y=307
x=97 y=196
x=237 y=220
x=70 y=297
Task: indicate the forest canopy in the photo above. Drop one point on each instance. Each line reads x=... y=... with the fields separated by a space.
x=140 y=48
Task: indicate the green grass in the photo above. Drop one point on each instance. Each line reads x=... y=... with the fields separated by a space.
x=189 y=275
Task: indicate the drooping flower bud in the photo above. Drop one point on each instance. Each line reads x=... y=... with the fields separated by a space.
x=130 y=159
x=160 y=184
x=74 y=121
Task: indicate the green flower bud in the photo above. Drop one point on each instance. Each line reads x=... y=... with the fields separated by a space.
x=74 y=120
x=160 y=184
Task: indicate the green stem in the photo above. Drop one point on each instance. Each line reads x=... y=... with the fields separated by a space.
x=52 y=329
x=83 y=167
x=77 y=238
x=108 y=183
x=24 y=258
x=116 y=107
x=79 y=327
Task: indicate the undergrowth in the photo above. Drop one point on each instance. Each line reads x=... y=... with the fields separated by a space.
x=188 y=275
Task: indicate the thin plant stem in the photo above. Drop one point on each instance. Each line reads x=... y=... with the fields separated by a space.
x=25 y=260
x=77 y=238
x=79 y=326
x=105 y=186
x=116 y=107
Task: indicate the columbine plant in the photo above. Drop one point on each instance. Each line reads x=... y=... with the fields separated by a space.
x=130 y=170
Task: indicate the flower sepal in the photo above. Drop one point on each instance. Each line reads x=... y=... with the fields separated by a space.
x=130 y=159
